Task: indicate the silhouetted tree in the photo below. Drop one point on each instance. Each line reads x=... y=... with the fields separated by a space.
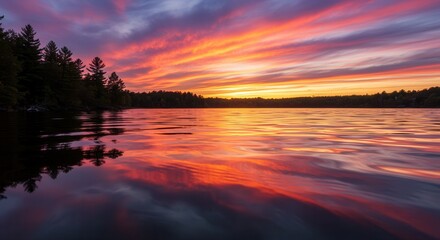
x=29 y=55
x=79 y=67
x=115 y=88
x=71 y=76
x=51 y=74
x=50 y=53
x=97 y=78
x=9 y=68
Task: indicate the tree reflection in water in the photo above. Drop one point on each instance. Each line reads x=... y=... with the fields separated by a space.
x=43 y=144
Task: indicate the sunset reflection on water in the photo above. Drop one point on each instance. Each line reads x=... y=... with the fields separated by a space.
x=236 y=174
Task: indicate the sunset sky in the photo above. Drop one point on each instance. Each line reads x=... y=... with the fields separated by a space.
x=247 y=48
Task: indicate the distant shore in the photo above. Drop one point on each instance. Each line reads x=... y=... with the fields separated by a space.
x=428 y=98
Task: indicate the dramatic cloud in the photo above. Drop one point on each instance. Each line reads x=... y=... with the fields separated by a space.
x=246 y=48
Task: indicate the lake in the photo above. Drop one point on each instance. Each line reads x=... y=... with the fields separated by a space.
x=221 y=174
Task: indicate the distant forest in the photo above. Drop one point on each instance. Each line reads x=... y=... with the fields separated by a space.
x=428 y=98
x=48 y=78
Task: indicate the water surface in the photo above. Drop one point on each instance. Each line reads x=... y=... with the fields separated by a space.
x=221 y=174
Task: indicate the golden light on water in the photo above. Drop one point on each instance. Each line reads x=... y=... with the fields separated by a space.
x=413 y=171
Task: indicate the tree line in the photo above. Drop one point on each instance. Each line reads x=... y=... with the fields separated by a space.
x=49 y=77
x=163 y=99
x=428 y=98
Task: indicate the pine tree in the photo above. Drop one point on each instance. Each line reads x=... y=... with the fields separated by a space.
x=50 y=53
x=51 y=74
x=115 y=88
x=70 y=79
x=66 y=64
x=79 y=67
x=9 y=68
x=65 y=56
x=97 y=78
x=96 y=69
x=29 y=54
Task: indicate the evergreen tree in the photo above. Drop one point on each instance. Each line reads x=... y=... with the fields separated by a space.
x=70 y=79
x=85 y=87
x=115 y=87
x=65 y=56
x=96 y=79
x=50 y=53
x=9 y=67
x=79 y=67
x=51 y=74
x=87 y=91
x=29 y=55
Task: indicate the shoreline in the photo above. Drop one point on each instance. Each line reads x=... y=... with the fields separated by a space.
x=149 y=108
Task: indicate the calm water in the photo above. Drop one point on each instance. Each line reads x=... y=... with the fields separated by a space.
x=221 y=174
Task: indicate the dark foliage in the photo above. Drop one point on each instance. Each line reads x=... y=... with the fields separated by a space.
x=164 y=99
x=49 y=78
x=9 y=68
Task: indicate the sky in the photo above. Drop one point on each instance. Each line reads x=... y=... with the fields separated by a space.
x=247 y=48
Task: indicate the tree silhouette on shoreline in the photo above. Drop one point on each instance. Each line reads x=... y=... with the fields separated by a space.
x=49 y=77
